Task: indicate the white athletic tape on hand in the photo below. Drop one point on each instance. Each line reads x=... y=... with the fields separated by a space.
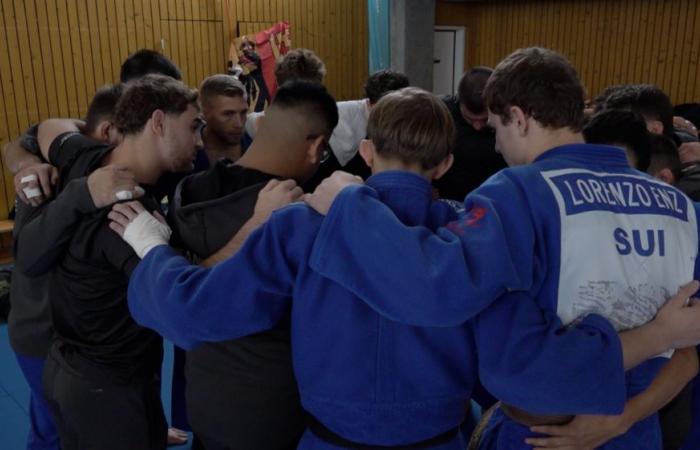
x=32 y=192
x=145 y=232
x=28 y=179
x=124 y=195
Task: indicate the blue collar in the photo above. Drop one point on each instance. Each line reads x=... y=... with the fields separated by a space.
x=607 y=155
x=408 y=194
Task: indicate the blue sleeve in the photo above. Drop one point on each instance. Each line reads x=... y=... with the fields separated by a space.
x=242 y=295
x=529 y=360
x=422 y=277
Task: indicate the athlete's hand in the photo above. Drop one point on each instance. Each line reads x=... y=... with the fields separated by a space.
x=325 y=194
x=689 y=152
x=140 y=229
x=686 y=125
x=111 y=184
x=585 y=432
x=275 y=195
x=34 y=183
x=678 y=321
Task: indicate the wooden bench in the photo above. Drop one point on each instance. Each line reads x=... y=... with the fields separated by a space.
x=6 y=226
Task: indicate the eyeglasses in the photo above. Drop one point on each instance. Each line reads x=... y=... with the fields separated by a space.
x=325 y=148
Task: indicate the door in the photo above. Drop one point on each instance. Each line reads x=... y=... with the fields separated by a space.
x=448 y=59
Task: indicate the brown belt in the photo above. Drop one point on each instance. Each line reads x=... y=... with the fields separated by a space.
x=529 y=419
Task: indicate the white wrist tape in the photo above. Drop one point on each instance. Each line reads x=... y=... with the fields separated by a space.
x=145 y=232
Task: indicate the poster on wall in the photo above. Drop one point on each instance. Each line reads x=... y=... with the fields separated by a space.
x=252 y=58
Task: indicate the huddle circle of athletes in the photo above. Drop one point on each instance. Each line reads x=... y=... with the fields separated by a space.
x=509 y=267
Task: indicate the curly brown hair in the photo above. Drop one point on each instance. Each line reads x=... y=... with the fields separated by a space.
x=147 y=94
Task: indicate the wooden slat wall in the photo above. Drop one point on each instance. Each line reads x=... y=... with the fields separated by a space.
x=54 y=54
x=609 y=41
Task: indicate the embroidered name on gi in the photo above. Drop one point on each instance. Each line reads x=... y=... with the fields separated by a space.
x=583 y=192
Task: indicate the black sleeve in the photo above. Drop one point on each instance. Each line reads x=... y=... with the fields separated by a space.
x=116 y=251
x=42 y=234
x=30 y=143
x=67 y=146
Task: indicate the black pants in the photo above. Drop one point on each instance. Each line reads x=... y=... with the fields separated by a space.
x=92 y=413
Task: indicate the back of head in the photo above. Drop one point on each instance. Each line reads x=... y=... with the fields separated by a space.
x=221 y=84
x=301 y=107
x=102 y=106
x=299 y=64
x=147 y=94
x=147 y=61
x=623 y=128
x=382 y=82
x=645 y=99
x=542 y=83
x=470 y=91
x=664 y=156
x=413 y=126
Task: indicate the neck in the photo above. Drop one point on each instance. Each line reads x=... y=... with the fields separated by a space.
x=380 y=165
x=133 y=154
x=269 y=157
x=218 y=149
x=546 y=139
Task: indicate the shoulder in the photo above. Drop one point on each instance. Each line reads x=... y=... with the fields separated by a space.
x=297 y=219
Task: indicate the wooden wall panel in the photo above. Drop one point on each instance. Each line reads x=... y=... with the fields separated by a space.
x=54 y=54
x=609 y=41
x=336 y=30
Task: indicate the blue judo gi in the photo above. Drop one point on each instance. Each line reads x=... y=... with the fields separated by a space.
x=361 y=375
x=582 y=233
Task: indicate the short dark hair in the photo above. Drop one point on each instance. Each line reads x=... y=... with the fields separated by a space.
x=147 y=61
x=412 y=125
x=645 y=99
x=664 y=155
x=470 y=91
x=221 y=84
x=299 y=64
x=542 y=83
x=382 y=82
x=613 y=127
x=102 y=106
x=147 y=94
x=312 y=99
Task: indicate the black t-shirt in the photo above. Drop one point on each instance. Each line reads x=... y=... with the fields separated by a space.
x=95 y=332
x=475 y=157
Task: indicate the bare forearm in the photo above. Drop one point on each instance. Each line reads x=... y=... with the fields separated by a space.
x=17 y=158
x=235 y=243
x=642 y=343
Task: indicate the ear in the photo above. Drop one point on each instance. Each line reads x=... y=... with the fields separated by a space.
x=102 y=132
x=520 y=118
x=367 y=151
x=655 y=126
x=157 y=122
x=443 y=167
x=666 y=176
x=313 y=152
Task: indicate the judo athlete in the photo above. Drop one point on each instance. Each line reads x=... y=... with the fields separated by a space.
x=583 y=235
x=363 y=380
